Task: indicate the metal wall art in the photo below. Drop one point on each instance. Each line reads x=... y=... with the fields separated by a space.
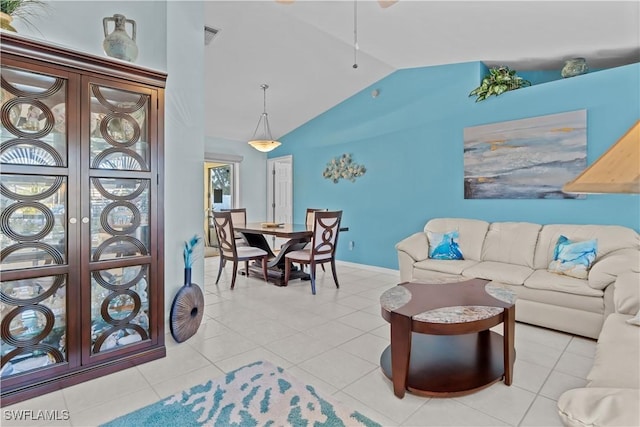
x=343 y=168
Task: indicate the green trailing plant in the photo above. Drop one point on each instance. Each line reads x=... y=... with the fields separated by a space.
x=22 y=9
x=498 y=81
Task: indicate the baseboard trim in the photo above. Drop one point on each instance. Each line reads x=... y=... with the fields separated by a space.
x=368 y=267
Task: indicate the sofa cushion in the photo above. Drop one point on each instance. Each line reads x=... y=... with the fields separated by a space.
x=626 y=293
x=471 y=233
x=511 y=243
x=510 y=274
x=610 y=238
x=445 y=266
x=542 y=279
x=595 y=407
x=617 y=354
x=573 y=258
x=561 y=299
x=608 y=267
x=444 y=246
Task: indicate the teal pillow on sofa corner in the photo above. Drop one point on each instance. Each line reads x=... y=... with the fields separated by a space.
x=444 y=245
x=573 y=258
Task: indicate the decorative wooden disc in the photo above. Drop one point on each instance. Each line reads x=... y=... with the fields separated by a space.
x=186 y=312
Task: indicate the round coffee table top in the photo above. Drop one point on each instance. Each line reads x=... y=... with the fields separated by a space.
x=458 y=302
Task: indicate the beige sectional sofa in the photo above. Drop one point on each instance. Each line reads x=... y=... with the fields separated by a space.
x=516 y=255
x=612 y=395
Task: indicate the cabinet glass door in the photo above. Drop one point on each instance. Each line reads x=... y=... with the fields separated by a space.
x=34 y=188
x=119 y=206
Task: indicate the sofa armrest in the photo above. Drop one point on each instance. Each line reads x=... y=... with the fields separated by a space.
x=416 y=246
x=605 y=270
x=626 y=293
x=595 y=406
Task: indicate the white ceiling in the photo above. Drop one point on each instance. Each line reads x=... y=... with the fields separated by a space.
x=304 y=50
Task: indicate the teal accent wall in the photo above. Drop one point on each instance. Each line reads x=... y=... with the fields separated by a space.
x=410 y=138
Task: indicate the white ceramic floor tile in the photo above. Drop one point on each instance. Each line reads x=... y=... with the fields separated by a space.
x=534 y=352
x=383 y=331
x=114 y=408
x=254 y=355
x=187 y=380
x=543 y=413
x=353 y=403
x=179 y=360
x=529 y=376
x=334 y=333
x=266 y=331
x=355 y=301
x=583 y=346
x=331 y=310
x=548 y=337
x=337 y=367
x=224 y=346
x=298 y=348
x=100 y=390
x=376 y=391
x=362 y=320
x=447 y=412
x=574 y=364
x=368 y=346
x=507 y=403
x=308 y=378
x=558 y=383
x=27 y=413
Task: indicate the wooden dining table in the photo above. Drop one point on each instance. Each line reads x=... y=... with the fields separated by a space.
x=297 y=235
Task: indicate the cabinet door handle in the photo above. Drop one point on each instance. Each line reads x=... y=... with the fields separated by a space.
x=72 y=220
x=85 y=220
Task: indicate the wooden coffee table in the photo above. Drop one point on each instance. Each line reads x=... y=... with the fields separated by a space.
x=441 y=344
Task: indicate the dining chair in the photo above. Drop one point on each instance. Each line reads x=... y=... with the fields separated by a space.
x=326 y=226
x=230 y=251
x=239 y=216
x=310 y=215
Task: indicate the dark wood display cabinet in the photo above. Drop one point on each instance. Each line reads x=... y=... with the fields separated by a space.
x=81 y=157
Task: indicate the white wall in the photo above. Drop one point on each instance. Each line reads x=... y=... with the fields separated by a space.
x=184 y=140
x=78 y=25
x=253 y=174
x=169 y=38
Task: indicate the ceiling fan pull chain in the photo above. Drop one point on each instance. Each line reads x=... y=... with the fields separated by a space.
x=355 y=34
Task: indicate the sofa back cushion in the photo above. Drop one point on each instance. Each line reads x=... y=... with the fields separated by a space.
x=511 y=243
x=471 y=233
x=610 y=238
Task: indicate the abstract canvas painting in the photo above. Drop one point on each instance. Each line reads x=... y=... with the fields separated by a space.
x=525 y=159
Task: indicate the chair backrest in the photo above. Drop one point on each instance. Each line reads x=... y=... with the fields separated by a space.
x=325 y=233
x=238 y=215
x=224 y=230
x=310 y=214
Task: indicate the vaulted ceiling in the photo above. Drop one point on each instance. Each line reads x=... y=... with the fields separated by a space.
x=304 y=50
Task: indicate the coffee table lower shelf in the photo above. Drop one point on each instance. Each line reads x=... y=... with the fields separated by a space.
x=451 y=365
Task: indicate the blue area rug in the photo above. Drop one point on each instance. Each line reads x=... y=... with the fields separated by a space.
x=259 y=394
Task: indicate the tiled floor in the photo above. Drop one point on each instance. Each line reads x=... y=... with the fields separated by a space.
x=332 y=340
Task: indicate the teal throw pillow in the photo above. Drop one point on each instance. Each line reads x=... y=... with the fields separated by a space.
x=444 y=245
x=573 y=258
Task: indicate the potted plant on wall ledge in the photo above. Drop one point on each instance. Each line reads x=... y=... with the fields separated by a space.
x=499 y=80
x=23 y=9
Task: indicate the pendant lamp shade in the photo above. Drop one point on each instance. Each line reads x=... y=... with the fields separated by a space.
x=263 y=142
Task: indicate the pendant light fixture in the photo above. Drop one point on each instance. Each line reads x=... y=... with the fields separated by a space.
x=264 y=142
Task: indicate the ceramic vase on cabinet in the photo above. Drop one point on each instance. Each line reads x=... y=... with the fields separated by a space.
x=574 y=67
x=118 y=44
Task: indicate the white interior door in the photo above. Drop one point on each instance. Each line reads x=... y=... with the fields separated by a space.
x=280 y=192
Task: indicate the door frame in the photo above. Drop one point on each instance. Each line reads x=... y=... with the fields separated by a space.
x=270 y=184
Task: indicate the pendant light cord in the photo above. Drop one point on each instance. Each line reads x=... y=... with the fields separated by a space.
x=355 y=34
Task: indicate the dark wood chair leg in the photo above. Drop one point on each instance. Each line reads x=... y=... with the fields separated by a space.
x=312 y=267
x=333 y=270
x=234 y=274
x=246 y=268
x=264 y=268
x=220 y=268
x=322 y=265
